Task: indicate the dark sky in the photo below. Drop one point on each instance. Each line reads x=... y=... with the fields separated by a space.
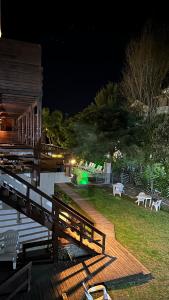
x=83 y=47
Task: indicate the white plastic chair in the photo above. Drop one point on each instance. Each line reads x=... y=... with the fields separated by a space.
x=80 y=164
x=85 y=166
x=118 y=189
x=156 y=205
x=10 y=247
x=95 y=289
x=140 y=198
x=99 y=169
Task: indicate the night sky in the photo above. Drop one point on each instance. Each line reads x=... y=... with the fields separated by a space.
x=83 y=47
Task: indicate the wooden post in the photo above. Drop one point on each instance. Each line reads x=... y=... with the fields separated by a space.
x=0 y=21
x=29 y=278
x=33 y=126
x=26 y=128
x=39 y=108
x=81 y=233
x=28 y=200
x=18 y=217
x=103 y=243
x=55 y=214
x=22 y=132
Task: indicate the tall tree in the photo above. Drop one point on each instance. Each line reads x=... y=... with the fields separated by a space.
x=160 y=139
x=108 y=95
x=147 y=65
x=52 y=126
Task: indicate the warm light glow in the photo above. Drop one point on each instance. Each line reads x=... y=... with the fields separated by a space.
x=64 y=218
x=57 y=155
x=0 y=33
x=73 y=161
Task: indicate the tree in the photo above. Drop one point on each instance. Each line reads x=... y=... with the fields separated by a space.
x=107 y=96
x=154 y=172
x=103 y=127
x=160 y=139
x=53 y=126
x=146 y=68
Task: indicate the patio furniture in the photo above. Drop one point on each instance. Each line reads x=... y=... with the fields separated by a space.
x=9 y=246
x=85 y=166
x=99 y=169
x=96 y=289
x=118 y=188
x=156 y=205
x=148 y=198
x=91 y=167
x=143 y=198
x=80 y=164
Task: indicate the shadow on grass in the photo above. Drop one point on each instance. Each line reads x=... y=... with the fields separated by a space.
x=129 y=281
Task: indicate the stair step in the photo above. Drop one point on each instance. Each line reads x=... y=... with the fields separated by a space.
x=35 y=239
x=19 y=227
x=13 y=222
x=34 y=236
x=7 y=212
x=14 y=217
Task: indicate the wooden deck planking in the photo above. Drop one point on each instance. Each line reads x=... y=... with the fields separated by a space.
x=117 y=263
x=69 y=281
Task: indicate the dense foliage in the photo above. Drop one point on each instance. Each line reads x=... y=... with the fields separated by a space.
x=111 y=125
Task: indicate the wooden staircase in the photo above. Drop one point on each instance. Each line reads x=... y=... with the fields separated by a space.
x=59 y=218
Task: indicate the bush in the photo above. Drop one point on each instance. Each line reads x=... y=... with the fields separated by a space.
x=61 y=195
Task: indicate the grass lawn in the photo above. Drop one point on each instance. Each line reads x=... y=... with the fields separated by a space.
x=144 y=233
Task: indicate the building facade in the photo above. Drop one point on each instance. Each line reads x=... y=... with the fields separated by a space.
x=20 y=92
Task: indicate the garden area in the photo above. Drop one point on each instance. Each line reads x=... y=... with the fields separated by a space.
x=127 y=125
x=144 y=233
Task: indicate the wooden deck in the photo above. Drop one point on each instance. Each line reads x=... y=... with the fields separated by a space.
x=117 y=265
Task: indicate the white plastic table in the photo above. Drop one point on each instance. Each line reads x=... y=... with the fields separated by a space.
x=147 y=198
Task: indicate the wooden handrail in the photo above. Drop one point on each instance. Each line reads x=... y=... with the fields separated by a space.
x=62 y=204
x=26 y=198
x=73 y=210
x=42 y=193
x=72 y=213
x=59 y=207
x=26 y=183
x=4 y=287
x=84 y=222
x=52 y=146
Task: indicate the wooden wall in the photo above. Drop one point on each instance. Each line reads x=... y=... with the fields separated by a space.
x=20 y=68
x=8 y=137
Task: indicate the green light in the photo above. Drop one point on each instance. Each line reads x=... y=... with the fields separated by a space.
x=82 y=176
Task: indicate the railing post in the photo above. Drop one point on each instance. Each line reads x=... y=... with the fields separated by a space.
x=29 y=278
x=28 y=192
x=81 y=233
x=18 y=217
x=55 y=215
x=28 y=199
x=92 y=234
x=103 y=243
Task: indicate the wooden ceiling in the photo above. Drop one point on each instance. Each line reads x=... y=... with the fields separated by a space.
x=15 y=105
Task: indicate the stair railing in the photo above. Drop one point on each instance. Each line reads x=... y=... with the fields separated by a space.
x=58 y=217
x=17 y=282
